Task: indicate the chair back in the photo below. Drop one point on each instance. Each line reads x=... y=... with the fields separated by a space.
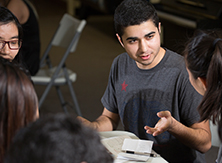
x=66 y=36
x=68 y=27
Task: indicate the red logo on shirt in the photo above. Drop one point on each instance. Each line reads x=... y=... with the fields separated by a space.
x=124 y=85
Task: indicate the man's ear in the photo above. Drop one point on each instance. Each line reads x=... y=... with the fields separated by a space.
x=119 y=39
x=204 y=82
x=159 y=27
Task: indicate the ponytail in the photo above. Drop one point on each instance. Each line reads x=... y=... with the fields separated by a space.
x=211 y=105
x=203 y=54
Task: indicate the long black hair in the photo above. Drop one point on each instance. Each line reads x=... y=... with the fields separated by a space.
x=18 y=102
x=203 y=54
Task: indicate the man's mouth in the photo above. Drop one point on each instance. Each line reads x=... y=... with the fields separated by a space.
x=145 y=57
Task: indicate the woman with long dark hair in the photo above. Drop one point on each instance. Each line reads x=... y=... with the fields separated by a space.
x=18 y=102
x=203 y=54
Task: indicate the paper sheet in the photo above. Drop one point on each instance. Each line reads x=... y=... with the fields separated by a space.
x=114 y=144
x=137 y=146
x=132 y=157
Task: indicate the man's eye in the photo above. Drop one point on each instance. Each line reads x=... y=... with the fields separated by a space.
x=150 y=36
x=132 y=41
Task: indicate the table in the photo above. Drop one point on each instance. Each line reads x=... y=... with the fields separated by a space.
x=108 y=134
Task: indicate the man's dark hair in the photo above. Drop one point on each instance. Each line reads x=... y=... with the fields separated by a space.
x=57 y=139
x=134 y=12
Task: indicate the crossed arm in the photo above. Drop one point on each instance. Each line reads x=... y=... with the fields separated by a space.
x=197 y=136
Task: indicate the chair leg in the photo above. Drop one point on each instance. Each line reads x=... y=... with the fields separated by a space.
x=72 y=92
x=45 y=93
x=63 y=103
x=74 y=99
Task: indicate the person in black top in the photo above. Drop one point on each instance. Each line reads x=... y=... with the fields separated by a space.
x=30 y=49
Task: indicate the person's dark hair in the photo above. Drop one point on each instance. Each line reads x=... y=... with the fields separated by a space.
x=18 y=102
x=6 y=16
x=134 y=12
x=57 y=138
x=203 y=54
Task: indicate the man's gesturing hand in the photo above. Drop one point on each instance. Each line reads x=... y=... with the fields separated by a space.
x=164 y=124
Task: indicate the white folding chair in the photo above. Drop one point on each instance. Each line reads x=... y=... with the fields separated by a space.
x=66 y=36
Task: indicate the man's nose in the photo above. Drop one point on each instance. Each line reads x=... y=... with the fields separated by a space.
x=143 y=46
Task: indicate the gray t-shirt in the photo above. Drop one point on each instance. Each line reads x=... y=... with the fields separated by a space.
x=137 y=95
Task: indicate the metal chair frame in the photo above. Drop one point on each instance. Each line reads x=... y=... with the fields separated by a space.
x=60 y=36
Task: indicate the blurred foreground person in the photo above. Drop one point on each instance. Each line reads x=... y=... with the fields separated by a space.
x=57 y=139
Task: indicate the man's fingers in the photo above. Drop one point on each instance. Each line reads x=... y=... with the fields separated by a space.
x=163 y=114
x=153 y=131
x=149 y=130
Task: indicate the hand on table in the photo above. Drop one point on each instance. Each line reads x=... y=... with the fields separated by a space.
x=164 y=124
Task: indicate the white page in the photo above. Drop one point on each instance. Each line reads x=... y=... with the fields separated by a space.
x=132 y=157
x=114 y=144
x=137 y=146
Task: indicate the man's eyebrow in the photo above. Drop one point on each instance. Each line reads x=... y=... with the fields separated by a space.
x=132 y=38
x=135 y=38
x=148 y=34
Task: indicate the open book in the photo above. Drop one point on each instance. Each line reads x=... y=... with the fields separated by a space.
x=123 y=147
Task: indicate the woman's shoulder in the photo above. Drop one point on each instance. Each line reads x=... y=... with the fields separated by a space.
x=19 y=9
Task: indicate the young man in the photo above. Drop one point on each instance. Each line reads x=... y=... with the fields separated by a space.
x=149 y=89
